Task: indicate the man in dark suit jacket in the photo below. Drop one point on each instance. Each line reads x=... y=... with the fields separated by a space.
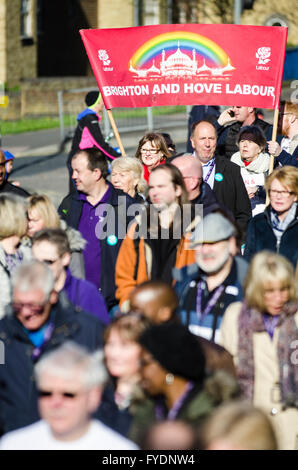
x=223 y=176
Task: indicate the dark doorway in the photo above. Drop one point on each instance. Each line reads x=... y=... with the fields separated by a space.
x=60 y=49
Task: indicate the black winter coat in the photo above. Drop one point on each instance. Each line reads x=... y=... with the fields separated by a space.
x=18 y=395
x=260 y=236
x=231 y=191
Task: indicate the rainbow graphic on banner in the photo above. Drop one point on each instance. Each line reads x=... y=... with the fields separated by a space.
x=205 y=47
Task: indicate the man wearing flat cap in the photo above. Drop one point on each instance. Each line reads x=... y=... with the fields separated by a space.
x=206 y=288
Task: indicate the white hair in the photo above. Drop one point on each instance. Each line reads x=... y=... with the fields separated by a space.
x=133 y=165
x=71 y=359
x=33 y=275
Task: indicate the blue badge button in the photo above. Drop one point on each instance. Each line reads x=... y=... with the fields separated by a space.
x=112 y=240
x=218 y=177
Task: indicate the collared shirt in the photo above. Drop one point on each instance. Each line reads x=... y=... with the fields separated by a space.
x=206 y=170
x=88 y=223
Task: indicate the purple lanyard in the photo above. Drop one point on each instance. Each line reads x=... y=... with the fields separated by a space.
x=209 y=172
x=173 y=412
x=47 y=336
x=211 y=303
x=270 y=323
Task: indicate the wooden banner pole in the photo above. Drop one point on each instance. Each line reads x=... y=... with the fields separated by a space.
x=116 y=133
x=274 y=133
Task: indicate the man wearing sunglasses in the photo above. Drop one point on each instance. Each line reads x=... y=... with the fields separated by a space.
x=70 y=382
x=39 y=321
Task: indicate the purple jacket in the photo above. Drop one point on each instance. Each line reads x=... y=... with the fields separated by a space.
x=84 y=296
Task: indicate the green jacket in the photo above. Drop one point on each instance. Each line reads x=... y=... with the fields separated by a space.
x=195 y=409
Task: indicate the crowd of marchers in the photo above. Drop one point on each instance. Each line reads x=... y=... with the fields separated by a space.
x=157 y=307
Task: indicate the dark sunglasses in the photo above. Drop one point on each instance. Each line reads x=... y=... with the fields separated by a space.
x=37 y=309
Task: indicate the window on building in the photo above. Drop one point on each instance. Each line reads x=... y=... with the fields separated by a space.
x=26 y=19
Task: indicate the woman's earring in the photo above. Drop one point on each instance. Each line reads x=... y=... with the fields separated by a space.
x=169 y=379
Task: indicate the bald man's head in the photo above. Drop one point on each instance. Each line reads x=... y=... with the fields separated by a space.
x=191 y=169
x=156 y=300
x=203 y=140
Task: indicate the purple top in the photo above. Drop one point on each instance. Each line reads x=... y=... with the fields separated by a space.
x=83 y=294
x=271 y=322
x=88 y=222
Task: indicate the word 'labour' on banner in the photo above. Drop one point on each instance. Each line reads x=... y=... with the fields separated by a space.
x=188 y=64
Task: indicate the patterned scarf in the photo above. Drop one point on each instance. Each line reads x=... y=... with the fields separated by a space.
x=279 y=226
x=251 y=321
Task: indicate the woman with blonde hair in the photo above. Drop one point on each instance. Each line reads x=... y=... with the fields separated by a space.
x=261 y=334
x=276 y=228
x=152 y=151
x=13 y=226
x=127 y=174
x=238 y=425
x=42 y=214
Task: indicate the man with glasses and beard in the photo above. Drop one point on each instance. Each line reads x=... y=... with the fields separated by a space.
x=38 y=322
x=206 y=288
x=287 y=152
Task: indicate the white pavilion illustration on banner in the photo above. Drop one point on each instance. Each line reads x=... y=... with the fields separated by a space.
x=181 y=65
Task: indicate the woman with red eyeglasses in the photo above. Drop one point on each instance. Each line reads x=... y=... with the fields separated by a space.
x=276 y=229
x=152 y=151
x=13 y=226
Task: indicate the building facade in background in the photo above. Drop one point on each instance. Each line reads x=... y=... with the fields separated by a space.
x=40 y=38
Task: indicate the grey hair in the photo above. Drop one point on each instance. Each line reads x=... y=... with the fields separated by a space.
x=71 y=359
x=33 y=275
x=135 y=166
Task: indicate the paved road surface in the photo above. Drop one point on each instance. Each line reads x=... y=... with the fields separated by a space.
x=40 y=167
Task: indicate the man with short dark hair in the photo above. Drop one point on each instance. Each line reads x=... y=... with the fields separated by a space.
x=39 y=321
x=223 y=176
x=99 y=212
x=156 y=300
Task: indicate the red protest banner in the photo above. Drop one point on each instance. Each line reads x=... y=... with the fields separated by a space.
x=188 y=64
